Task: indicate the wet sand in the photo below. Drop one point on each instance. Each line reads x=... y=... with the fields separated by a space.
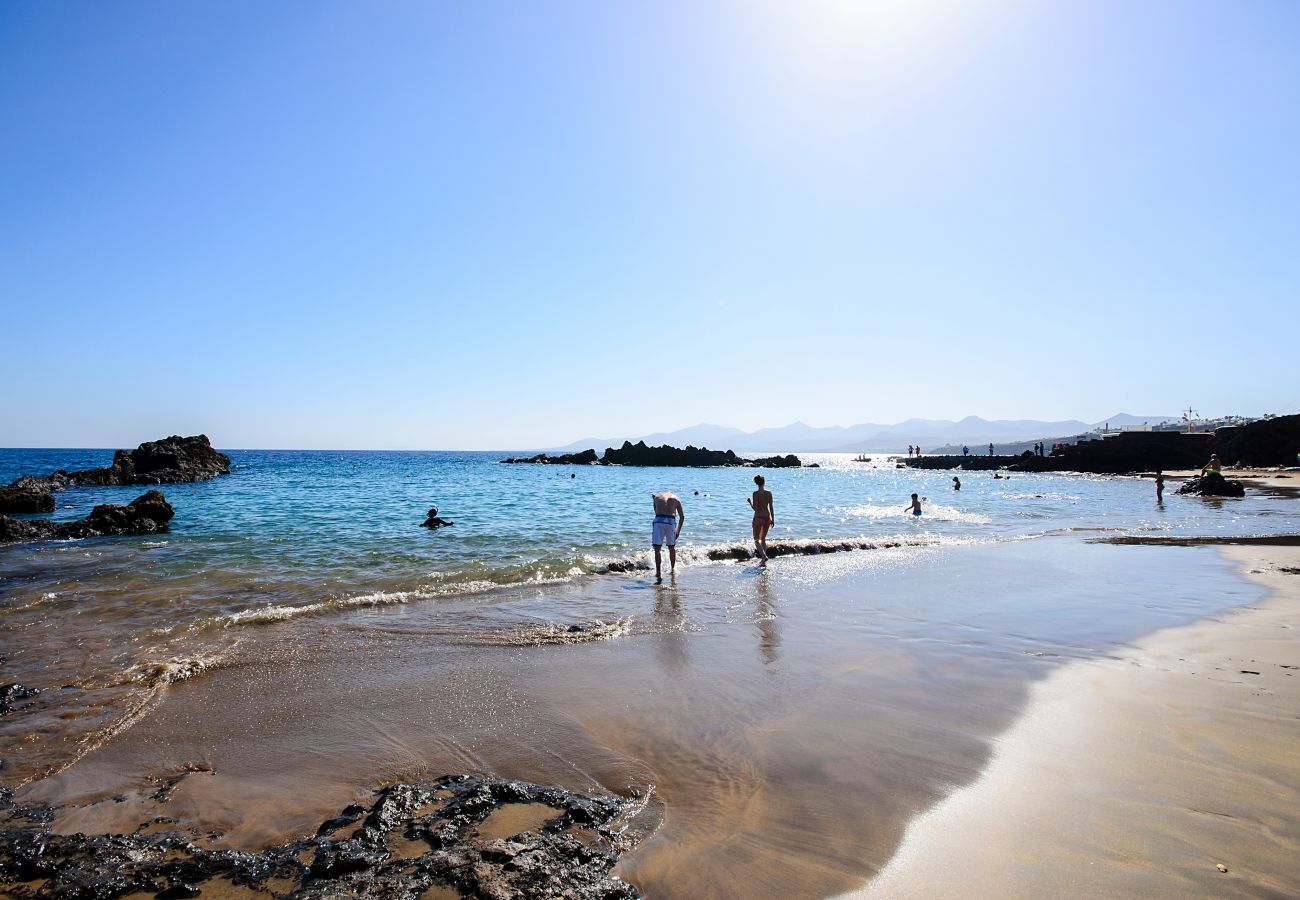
x=1172 y=770
x=784 y=726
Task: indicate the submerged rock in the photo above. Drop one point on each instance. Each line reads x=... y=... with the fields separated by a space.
x=1212 y=484
x=414 y=838
x=146 y=514
x=172 y=460
x=27 y=498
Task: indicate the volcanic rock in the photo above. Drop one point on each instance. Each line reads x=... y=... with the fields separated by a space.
x=789 y=461
x=146 y=514
x=26 y=499
x=172 y=460
x=414 y=837
x=585 y=458
x=639 y=454
x=1212 y=484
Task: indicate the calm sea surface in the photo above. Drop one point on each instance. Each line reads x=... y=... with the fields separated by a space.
x=99 y=625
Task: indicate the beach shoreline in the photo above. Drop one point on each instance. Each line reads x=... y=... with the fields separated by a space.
x=1168 y=770
x=746 y=704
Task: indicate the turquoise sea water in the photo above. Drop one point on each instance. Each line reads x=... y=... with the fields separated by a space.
x=293 y=534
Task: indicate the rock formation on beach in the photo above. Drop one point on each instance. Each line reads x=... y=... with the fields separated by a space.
x=172 y=460
x=1212 y=484
x=147 y=514
x=639 y=454
x=441 y=836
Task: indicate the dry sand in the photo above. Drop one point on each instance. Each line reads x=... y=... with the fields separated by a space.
x=1139 y=775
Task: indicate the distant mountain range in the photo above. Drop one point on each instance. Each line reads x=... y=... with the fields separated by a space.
x=869 y=437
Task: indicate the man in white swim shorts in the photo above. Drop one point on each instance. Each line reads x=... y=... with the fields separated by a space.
x=669 y=519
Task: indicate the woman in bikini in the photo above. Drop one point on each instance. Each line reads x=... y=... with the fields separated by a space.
x=764 y=518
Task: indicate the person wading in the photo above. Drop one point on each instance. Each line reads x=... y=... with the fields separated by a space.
x=667 y=527
x=764 y=518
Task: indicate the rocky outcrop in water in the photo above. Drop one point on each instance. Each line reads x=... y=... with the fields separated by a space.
x=585 y=458
x=1212 y=484
x=639 y=454
x=146 y=514
x=789 y=461
x=172 y=460
x=414 y=838
x=26 y=498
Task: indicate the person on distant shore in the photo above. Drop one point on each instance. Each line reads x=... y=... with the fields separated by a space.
x=764 y=518
x=965 y=451
x=667 y=527
x=1160 y=485
x=914 y=506
x=1213 y=467
x=956 y=483
x=990 y=449
x=909 y=451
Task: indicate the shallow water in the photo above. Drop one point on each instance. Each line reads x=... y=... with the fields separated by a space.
x=783 y=725
x=298 y=637
x=101 y=625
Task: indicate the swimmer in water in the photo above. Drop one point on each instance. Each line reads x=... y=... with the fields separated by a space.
x=764 y=518
x=915 y=506
x=956 y=483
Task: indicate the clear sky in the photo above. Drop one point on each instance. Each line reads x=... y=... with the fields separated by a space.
x=497 y=225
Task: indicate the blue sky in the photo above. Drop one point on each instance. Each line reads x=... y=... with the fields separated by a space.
x=502 y=225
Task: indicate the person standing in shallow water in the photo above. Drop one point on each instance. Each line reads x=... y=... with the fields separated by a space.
x=764 y=518
x=667 y=527
x=915 y=506
x=1160 y=485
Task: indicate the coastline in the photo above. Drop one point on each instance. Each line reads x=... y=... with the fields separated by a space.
x=746 y=705
x=1138 y=775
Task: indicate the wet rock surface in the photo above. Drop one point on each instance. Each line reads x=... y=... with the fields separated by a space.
x=172 y=460
x=146 y=514
x=26 y=499
x=1212 y=484
x=429 y=836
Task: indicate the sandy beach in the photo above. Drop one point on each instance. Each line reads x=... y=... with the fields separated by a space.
x=1169 y=770
x=793 y=732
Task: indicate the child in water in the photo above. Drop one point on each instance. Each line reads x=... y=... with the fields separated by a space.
x=915 y=506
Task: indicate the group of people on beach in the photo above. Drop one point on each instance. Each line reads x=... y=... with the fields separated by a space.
x=670 y=516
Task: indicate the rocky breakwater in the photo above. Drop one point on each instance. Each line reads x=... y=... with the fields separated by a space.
x=455 y=836
x=146 y=514
x=639 y=454
x=1212 y=484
